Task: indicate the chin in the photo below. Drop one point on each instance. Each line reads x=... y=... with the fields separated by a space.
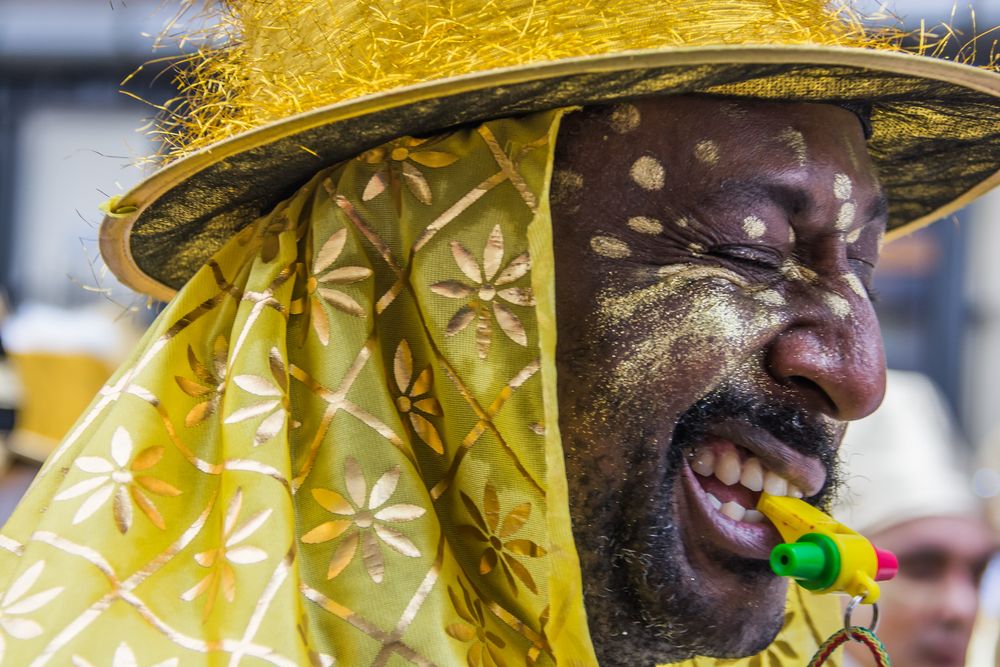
x=670 y=596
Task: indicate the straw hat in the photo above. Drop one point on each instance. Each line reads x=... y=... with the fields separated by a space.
x=303 y=84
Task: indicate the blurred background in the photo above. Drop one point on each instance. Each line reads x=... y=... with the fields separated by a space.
x=69 y=140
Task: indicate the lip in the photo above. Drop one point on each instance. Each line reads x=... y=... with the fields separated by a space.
x=749 y=540
x=806 y=472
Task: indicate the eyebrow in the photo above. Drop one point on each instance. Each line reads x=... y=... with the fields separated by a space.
x=790 y=198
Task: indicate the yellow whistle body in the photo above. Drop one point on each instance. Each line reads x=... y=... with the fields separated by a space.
x=822 y=554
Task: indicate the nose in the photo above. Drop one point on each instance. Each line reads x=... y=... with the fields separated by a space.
x=833 y=362
x=958 y=602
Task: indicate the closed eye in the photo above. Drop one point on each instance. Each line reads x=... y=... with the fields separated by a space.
x=758 y=256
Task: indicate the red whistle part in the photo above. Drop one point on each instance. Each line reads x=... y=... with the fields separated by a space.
x=888 y=565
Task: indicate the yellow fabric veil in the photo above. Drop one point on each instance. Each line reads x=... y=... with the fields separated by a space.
x=337 y=445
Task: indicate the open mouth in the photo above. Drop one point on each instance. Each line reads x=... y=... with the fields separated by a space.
x=723 y=478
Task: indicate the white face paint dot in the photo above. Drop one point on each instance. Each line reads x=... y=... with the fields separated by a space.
x=707 y=151
x=696 y=248
x=791 y=236
x=853 y=236
x=838 y=304
x=648 y=173
x=754 y=226
x=625 y=118
x=842 y=187
x=845 y=218
x=644 y=225
x=610 y=247
x=855 y=284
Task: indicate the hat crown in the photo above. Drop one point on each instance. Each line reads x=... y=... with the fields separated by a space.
x=282 y=57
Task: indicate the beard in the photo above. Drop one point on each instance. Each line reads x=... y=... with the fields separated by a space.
x=651 y=594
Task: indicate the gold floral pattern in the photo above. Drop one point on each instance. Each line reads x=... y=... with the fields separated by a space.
x=210 y=384
x=117 y=478
x=483 y=291
x=220 y=560
x=366 y=519
x=486 y=649
x=414 y=397
x=320 y=290
x=276 y=403
x=14 y=605
x=499 y=549
x=399 y=162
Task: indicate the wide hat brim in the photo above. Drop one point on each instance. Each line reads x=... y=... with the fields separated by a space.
x=935 y=139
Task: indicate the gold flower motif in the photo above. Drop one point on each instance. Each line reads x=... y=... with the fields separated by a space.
x=366 y=520
x=117 y=478
x=211 y=382
x=125 y=657
x=14 y=604
x=413 y=399
x=486 y=645
x=276 y=404
x=498 y=548
x=319 y=288
x=483 y=291
x=398 y=163
x=222 y=558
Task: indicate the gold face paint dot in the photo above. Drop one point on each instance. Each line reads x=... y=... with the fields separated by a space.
x=853 y=236
x=648 y=173
x=707 y=151
x=837 y=304
x=682 y=221
x=566 y=184
x=644 y=225
x=610 y=247
x=842 y=187
x=733 y=110
x=795 y=271
x=796 y=141
x=769 y=297
x=625 y=118
x=754 y=226
x=845 y=218
x=855 y=284
x=696 y=248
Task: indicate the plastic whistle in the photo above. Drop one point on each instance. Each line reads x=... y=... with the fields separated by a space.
x=823 y=555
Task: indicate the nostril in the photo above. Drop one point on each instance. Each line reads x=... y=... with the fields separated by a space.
x=814 y=393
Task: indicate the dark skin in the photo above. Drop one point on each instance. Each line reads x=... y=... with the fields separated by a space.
x=712 y=264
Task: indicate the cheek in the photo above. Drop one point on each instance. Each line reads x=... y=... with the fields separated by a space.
x=678 y=339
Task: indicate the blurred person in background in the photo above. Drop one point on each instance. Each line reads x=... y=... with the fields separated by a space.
x=905 y=492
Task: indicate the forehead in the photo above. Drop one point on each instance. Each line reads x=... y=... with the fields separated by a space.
x=719 y=137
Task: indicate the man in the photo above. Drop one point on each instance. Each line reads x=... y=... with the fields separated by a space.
x=906 y=493
x=730 y=339
x=442 y=332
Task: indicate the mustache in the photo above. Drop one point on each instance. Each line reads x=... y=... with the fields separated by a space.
x=806 y=432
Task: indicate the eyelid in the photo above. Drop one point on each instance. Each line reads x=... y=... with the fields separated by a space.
x=758 y=254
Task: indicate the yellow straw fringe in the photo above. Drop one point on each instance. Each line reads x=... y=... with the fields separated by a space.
x=258 y=61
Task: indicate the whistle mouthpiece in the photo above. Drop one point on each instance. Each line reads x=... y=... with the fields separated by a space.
x=823 y=555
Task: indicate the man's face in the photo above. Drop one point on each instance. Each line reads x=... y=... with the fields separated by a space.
x=715 y=333
x=930 y=608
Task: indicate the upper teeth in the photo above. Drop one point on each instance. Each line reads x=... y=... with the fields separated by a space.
x=727 y=467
